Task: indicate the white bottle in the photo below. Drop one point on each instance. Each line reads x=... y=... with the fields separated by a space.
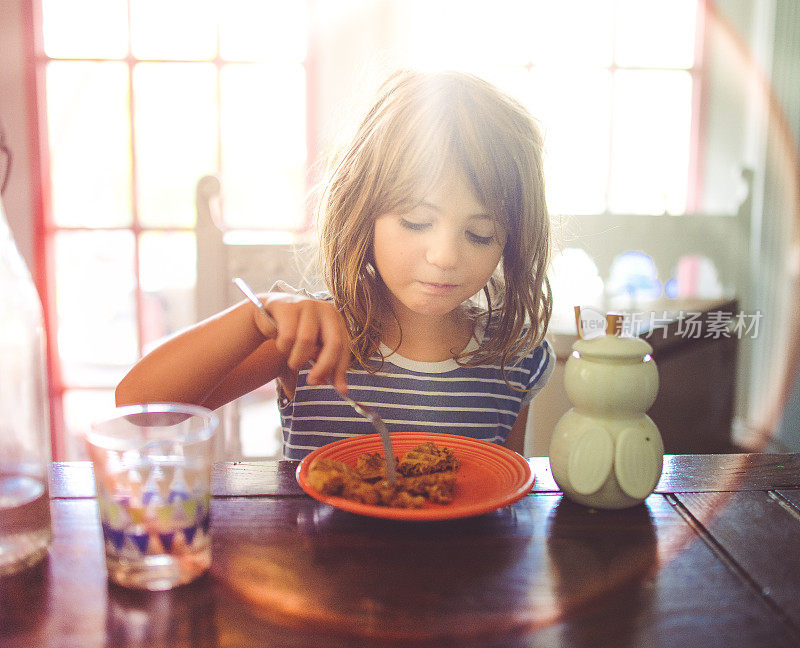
x=24 y=414
x=606 y=452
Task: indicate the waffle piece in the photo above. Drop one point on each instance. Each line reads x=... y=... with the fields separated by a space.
x=427 y=458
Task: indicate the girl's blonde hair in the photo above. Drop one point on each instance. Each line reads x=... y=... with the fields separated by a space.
x=420 y=123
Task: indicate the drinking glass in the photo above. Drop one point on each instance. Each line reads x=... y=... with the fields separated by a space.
x=152 y=468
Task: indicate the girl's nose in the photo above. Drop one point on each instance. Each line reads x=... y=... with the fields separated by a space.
x=443 y=251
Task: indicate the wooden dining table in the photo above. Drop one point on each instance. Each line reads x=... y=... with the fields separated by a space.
x=711 y=558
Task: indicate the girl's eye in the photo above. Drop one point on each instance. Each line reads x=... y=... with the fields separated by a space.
x=412 y=225
x=480 y=240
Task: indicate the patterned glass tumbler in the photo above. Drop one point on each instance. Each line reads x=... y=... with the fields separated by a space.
x=152 y=469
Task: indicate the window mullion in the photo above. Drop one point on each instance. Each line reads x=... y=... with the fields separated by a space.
x=612 y=79
x=135 y=228
x=697 y=144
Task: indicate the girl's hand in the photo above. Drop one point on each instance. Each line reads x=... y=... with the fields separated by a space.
x=308 y=329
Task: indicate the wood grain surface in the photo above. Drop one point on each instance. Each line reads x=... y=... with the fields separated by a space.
x=692 y=566
x=706 y=472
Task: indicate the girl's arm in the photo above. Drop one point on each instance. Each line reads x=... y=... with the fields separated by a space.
x=238 y=350
x=516 y=438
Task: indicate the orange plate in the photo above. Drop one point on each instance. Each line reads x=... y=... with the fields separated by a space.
x=490 y=476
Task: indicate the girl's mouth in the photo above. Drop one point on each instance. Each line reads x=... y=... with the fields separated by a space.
x=438 y=288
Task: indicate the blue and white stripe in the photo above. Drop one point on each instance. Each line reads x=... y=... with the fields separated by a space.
x=415 y=396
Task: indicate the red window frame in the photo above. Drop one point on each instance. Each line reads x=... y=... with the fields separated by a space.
x=45 y=229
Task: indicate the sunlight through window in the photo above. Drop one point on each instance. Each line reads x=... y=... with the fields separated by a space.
x=600 y=75
x=143 y=97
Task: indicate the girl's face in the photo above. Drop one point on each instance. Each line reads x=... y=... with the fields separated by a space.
x=440 y=253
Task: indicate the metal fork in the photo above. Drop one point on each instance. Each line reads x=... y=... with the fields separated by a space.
x=367 y=412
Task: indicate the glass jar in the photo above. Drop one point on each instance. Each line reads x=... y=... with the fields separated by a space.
x=24 y=414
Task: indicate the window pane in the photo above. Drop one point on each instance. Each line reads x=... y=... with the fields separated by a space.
x=477 y=34
x=652 y=122
x=575 y=120
x=264 y=145
x=168 y=274
x=571 y=32
x=95 y=301
x=89 y=138
x=69 y=33
x=466 y=34
x=176 y=138
x=260 y=30
x=656 y=33
x=81 y=409
x=177 y=29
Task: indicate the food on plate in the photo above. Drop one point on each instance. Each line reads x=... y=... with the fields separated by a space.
x=370 y=465
x=329 y=477
x=437 y=487
x=427 y=458
x=427 y=473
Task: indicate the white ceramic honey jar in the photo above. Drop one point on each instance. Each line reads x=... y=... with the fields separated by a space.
x=605 y=451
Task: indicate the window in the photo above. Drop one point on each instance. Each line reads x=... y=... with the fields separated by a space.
x=147 y=96
x=141 y=100
x=612 y=82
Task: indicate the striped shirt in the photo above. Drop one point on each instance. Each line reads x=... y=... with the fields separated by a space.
x=415 y=396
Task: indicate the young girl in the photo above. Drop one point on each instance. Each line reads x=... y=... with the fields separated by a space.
x=434 y=242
